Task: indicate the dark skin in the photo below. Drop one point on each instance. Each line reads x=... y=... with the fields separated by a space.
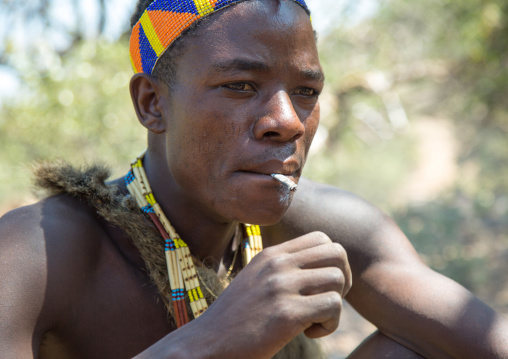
x=242 y=107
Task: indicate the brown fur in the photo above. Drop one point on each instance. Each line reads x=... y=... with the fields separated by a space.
x=88 y=185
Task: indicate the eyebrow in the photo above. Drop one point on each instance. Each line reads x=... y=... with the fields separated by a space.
x=257 y=66
x=240 y=65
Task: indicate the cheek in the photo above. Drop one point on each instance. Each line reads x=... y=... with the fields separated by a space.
x=204 y=143
x=215 y=136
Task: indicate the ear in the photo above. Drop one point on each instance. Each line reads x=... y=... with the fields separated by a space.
x=147 y=92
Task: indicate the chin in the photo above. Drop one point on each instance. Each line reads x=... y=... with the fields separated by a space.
x=264 y=215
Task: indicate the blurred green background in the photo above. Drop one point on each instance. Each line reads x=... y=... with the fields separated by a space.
x=414 y=115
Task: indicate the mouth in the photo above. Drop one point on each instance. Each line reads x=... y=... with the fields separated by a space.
x=281 y=183
x=274 y=174
x=270 y=176
x=288 y=168
x=280 y=176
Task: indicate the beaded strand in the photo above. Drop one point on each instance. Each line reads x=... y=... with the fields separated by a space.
x=164 y=21
x=183 y=278
x=253 y=244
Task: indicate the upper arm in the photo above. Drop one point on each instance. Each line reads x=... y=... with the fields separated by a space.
x=23 y=281
x=369 y=236
x=392 y=287
x=47 y=252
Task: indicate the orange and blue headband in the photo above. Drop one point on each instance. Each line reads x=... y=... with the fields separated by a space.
x=163 y=21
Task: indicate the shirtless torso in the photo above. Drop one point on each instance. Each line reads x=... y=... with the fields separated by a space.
x=78 y=287
x=243 y=104
x=81 y=284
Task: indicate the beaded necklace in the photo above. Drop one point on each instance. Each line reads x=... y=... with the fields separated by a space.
x=183 y=278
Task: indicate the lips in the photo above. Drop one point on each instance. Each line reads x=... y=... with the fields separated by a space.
x=288 y=167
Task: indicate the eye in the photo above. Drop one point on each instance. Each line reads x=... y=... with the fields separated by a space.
x=306 y=91
x=239 y=86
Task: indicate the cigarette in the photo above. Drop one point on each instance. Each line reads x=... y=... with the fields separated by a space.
x=285 y=181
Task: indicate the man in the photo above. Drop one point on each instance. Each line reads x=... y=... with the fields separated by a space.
x=233 y=100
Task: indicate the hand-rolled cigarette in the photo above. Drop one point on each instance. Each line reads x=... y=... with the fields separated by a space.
x=285 y=181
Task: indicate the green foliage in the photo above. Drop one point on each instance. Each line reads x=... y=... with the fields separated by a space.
x=79 y=109
x=468 y=40
x=446 y=59
x=465 y=237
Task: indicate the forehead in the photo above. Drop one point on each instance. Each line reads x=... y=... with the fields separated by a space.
x=267 y=32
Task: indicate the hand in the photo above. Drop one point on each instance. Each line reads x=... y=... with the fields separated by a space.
x=287 y=289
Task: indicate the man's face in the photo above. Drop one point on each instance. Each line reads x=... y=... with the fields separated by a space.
x=244 y=105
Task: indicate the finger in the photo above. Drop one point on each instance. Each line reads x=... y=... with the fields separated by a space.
x=316 y=331
x=306 y=241
x=325 y=255
x=326 y=312
x=320 y=280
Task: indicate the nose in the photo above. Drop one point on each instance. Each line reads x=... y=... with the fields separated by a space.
x=279 y=120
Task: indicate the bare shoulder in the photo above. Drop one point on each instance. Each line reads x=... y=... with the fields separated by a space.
x=55 y=226
x=367 y=233
x=42 y=246
x=332 y=208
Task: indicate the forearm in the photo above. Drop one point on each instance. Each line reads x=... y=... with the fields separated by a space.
x=192 y=340
x=429 y=313
x=377 y=345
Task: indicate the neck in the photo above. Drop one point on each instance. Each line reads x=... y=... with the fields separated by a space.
x=207 y=238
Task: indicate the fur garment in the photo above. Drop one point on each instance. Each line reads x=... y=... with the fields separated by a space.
x=120 y=210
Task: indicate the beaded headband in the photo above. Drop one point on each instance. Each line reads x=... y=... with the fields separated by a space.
x=165 y=20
